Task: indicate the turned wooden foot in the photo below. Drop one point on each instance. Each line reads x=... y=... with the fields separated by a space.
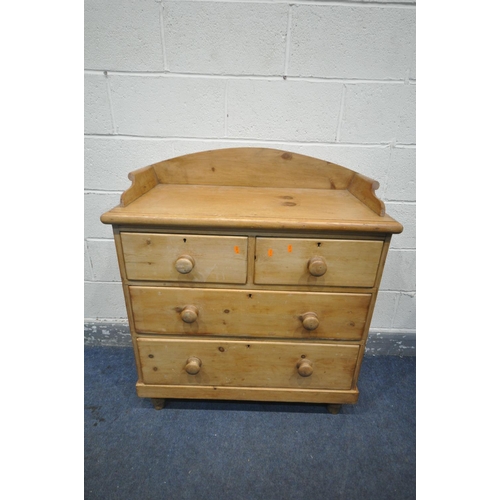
x=333 y=408
x=158 y=403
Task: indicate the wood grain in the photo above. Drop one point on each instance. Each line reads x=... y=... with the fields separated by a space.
x=247 y=393
x=364 y=189
x=247 y=363
x=143 y=180
x=251 y=208
x=217 y=259
x=285 y=261
x=256 y=167
x=249 y=313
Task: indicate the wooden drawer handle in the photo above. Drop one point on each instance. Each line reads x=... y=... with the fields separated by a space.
x=317 y=266
x=184 y=264
x=304 y=367
x=310 y=321
x=193 y=365
x=189 y=314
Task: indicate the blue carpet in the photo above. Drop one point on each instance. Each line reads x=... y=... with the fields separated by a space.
x=207 y=450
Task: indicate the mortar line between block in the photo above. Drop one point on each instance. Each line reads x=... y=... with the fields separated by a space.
x=249 y=140
x=407 y=76
x=341 y=113
x=395 y=249
x=225 y=108
x=400 y=202
x=102 y=191
x=103 y=282
x=263 y=77
x=288 y=40
x=337 y=3
x=399 y=331
x=106 y=320
x=162 y=34
x=108 y=90
x=395 y=310
x=89 y=260
x=385 y=173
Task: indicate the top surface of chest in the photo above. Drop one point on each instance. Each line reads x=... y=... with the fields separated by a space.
x=252 y=189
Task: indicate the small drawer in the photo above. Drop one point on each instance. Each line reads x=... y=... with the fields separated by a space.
x=249 y=313
x=292 y=261
x=247 y=363
x=185 y=257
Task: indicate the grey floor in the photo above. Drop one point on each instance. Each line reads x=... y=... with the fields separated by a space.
x=242 y=450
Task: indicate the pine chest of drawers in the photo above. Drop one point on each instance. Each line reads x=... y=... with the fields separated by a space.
x=250 y=274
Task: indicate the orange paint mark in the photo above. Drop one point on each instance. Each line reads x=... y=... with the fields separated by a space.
x=290 y=248
x=236 y=249
x=270 y=252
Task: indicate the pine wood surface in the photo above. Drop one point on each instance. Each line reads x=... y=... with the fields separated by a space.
x=247 y=393
x=247 y=363
x=258 y=167
x=283 y=261
x=364 y=189
x=248 y=312
x=216 y=259
x=143 y=180
x=252 y=208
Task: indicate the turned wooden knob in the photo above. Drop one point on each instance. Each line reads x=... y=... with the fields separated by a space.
x=193 y=365
x=317 y=266
x=184 y=264
x=304 y=367
x=310 y=321
x=189 y=314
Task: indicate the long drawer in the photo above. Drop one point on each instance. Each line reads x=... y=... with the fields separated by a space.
x=187 y=258
x=247 y=363
x=317 y=262
x=253 y=313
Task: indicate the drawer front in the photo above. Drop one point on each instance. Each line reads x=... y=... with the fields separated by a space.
x=254 y=313
x=188 y=258
x=290 y=261
x=247 y=363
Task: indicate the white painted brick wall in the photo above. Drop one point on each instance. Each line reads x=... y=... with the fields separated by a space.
x=109 y=159
x=334 y=80
x=283 y=110
x=164 y=105
x=406 y=214
x=344 y=41
x=87 y=267
x=379 y=112
x=98 y=118
x=102 y=258
x=122 y=35
x=396 y=274
x=402 y=172
x=405 y=316
x=225 y=38
x=384 y=310
x=95 y=204
x=104 y=300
